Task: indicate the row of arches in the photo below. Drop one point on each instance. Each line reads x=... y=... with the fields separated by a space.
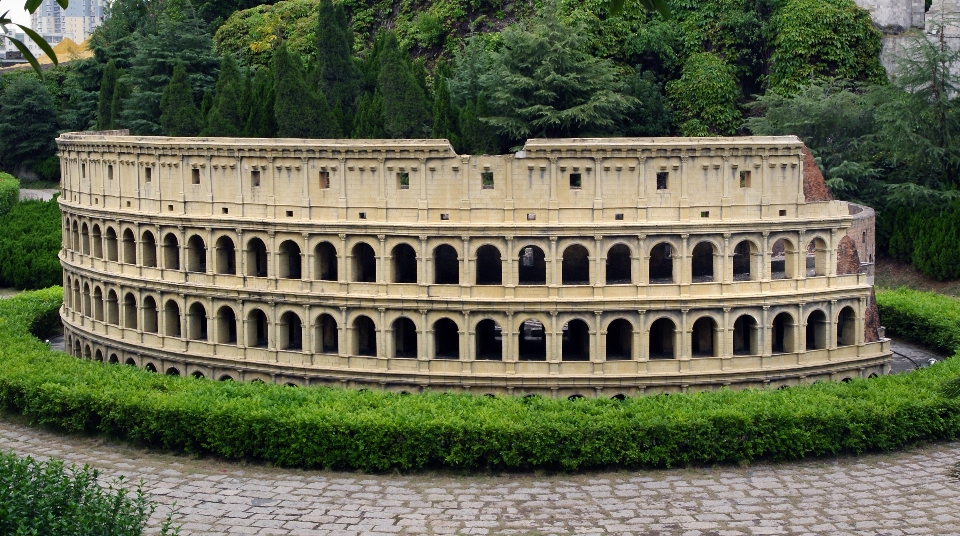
x=576 y=266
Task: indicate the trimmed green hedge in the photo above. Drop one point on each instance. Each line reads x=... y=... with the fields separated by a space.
x=9 y=192
x=30 y=241
x=376 y=431
x=922 y=317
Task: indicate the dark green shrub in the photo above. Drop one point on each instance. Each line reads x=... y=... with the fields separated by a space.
x=922 y=317
x=927 y=238
x=48 y=169
x=29 y=245
x=9 y=192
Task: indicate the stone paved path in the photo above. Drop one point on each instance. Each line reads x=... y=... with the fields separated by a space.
x=43 y=195
x=891 y=494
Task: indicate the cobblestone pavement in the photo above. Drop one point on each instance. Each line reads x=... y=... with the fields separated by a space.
x=890 y=494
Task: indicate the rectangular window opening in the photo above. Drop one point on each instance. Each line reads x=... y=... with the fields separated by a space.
x=289 y=213
x=744 y=179
x=403 y=180
x=170 y=208
x=576 y=181
x=444 y=217
x=704 y=213
x=618 y=216
x=148 y=174
x=783 y=212
x=128 y=204
x=662 y=180
x=324 y=180
x=110 y=172
x=255 y=178
x=195 y=176
x=363 y=215
x=225 y=210
x=531 y=216
x=486 y=180
x=83 y=171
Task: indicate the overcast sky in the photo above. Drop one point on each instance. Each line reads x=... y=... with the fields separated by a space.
x=17 y=13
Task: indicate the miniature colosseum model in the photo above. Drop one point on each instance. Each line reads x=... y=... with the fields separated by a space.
x=575 y=267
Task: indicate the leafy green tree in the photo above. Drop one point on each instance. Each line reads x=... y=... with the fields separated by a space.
x=406 y=113
x=470 y=63
x=28 y=123
x=300 y=111
x=179 y=115
x=228 y=112
x=262 y=122
x=705 y=97
x=105 y=103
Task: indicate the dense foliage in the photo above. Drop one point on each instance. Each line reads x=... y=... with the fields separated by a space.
x=28 y=123
x=48 y=498
x=30 y=244
x=9 y=193
x=376 y=430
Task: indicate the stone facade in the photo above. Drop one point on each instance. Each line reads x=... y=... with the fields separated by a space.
x=591 y=267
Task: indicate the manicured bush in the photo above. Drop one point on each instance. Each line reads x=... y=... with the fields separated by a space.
x=929 y=238
x=923 y=317
x=376 y=431
x=46 y=498
x=9 y=192
x=29 y=245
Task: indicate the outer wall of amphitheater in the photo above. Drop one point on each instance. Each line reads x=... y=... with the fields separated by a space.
x=575 y=267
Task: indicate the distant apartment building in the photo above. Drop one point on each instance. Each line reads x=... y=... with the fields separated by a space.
x=76 y=22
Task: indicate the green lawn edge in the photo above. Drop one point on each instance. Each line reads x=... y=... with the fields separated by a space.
x=379 y=431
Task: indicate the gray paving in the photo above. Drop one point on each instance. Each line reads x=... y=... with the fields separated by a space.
x=901 y=493
x=42 y=194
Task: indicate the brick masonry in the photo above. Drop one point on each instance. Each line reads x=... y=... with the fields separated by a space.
x=814 y=187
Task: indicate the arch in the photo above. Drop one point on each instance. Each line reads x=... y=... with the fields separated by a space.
x=75 y=236
x=77 y=297
x=171 y=252
x=446 y=337
x=489 y=267
x=226 y=378
x=404 y=263
x=113 y=308
x=258 y=333
x=532 y=341
x=619 y=265
x=130 y=362
x=489 y=340
x=226 y=253
x=816 y=330
x=746 y=336
x=744 y=256
x=196 y=255
x=816 y=255
x=85 y=304
x=114 y=360
x=703 y=337
x=619 y=340
x=575 y=336
x=574 y=397
x=783 y=260
x=290 y=332
x=97 y=303
x=575 y=268
x=532 y=266
x=96 y=241
x=98 y=355
x=171 y=319
x=847 y=327
x=701 y=261
x=364 y=263
x=173 y=371
x=366 y=336
x=619 y=397
x=226 y=325
x=129 y=311
x=129 y=247
x=256 y=258
x=150 y=320
x=291 y=260
x=404 y=337
x=150 y=367
x=110 y=239
x=446 y=265
x=661 y=263
x=148 y=250
x=197 y=322
x=326 y=261
x=77 y=351
x=198 y=375
x=782 y=331
x=84 y=239
x=662 y=339
x=327 y=335
x=87 y=352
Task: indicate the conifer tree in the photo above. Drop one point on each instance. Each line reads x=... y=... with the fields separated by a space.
x=300 y=111
x=478 y=137
x=228 y=115
x=179 y=115
x=262 y=122
x=369 y=123
x=338 y=77
x=406 y=113
x=28 y=123
x=121 y=93
x=205 y=105
x=105 y=102
x=444 y=114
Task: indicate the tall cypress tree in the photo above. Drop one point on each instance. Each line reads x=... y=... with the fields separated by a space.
x=227 y=116
x=262 y=122
x=406 y=113
x=444 y=114
x=338 y=76
x=179 y=115
x=369 y=123
x=108 y=86
x=121 y=93
x=300 y=111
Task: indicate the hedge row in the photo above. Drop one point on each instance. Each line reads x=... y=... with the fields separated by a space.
x=9 y=192
x=376 y=431
x=29 y=244
x=923 y=317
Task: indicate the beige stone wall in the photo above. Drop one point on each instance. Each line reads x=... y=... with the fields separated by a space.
x=165 y=235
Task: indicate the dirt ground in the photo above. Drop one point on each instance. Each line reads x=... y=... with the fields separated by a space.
x=891 y=274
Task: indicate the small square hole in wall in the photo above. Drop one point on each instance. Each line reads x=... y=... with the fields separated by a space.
x=289 y=213
x=403 y=180
x=110 y=172
x=783 y=212
x=744 y=179
x=148 y=174
x=704 y=213
x=195 y=176
x=662 y=177
x=618 y=216
x=324 y=180
x=255 y=178
x=486 y=180
x=444 y=217
x=363 y=215
x=170 y=208
x=576 y=181
x=225 y=210
x=531 y=216
x=128 y=204
x=96 y=201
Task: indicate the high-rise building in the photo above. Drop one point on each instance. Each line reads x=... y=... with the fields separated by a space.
x=76 y=22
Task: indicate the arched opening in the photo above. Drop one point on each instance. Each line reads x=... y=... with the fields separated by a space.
x=532 y=343
x=576 y=266
x=148 y=249
x=77 y=352
x=87 y=352
x=489 y=340
x=366 y=334
x=783 y=260
x=326 y=261
x=290 y=260
x=111 y=240
x=129 y=311
x=97 y=302
x=702 y=262
x=75 y=237
x=404 y=260
x=783 y=334
x=198 y=375
x=404 y=338
x=129 y=247
x=226 y=253
x=171 y=252
x=77 y=298
x=226 y=325
x=446 y=338
x=489 y=266
x=150 y=323
x=173 y=371
x=98 y=355
x=703 y=337
x=745 y=336
x=226 y=378
x=197 y=322
x=618 y=265
x=290 y=332
x=575 y=341
x=85 y=304
x=113 y=308
x=327 y=336
x=661 y=339
x=816 y=330
x=130 y=362
x=97 y=241
x=575 y=397
x=114 y=360
x=847 y=327
x=150 y=368
x=85 y=239
x=196 y=255
x=816 y=258
x=256 y=258
x=446 y=265
x=257 y=332
x=661 y=264
x=365 y=263
x=619 y=340
x=743 y=255
x=532 y=266
x=171 y=319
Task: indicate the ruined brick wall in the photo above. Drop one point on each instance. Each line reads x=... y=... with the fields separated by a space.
x=814 y=187
x=848 y=261
x=871 y=321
